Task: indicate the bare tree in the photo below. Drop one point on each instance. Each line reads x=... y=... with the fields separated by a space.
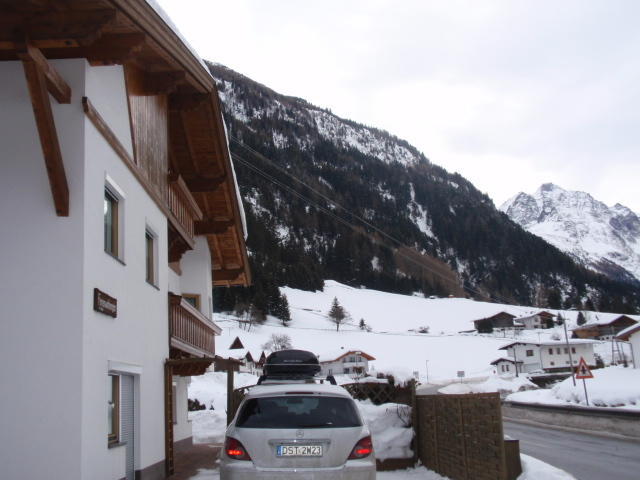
x=277 y=342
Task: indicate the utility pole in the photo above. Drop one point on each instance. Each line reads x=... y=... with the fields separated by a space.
x=515 y=360
x=427 y=366
x=566 y=339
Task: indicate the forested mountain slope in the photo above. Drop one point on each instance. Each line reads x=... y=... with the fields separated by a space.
x=455 y=240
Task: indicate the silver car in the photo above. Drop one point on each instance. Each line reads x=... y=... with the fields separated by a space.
x=298 y=430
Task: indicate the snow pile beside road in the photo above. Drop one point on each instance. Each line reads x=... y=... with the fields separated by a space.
x=211 y=388
x=616 y=387
x=611 y=387
x=492 y=384
x=534 y=469
x=388 y=425
x=208 y=426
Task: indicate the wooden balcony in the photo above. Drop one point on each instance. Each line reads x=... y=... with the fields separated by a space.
x=190 y=331
x=183 y=213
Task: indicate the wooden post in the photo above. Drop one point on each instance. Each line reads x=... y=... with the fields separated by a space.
x=415 y=422
x=230 y=399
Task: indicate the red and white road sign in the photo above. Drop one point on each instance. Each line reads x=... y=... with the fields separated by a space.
x=583 y=371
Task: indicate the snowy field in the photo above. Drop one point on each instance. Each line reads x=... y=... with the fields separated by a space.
x=612 y=387
x=394 y=341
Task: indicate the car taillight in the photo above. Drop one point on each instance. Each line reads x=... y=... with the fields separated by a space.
x=363 y=449
x=234 y=449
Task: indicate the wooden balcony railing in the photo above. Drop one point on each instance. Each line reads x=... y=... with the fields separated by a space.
x=183 y=207
x=189 y=330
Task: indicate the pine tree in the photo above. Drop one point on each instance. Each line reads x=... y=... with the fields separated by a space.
x=283 y=310
x=581 y=319
x=337 y=314
x=362 y=324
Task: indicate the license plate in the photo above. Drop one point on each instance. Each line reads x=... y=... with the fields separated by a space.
x=299 y=451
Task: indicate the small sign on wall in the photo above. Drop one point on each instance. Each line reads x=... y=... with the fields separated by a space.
x=104 y=303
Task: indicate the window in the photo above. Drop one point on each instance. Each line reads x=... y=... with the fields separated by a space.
x=111 y=223
x=193 y=299
x=295 y=411
x=553 y=363
x=558 y=350
x=573 y=349
x=566 y=350
x=551 y=351
x=529 y=353
x=113 y=408
x=150 y=256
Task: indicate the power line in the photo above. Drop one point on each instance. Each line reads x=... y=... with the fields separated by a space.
x=343 y=221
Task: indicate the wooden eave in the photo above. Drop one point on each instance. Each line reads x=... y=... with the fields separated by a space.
x=107 y=32
x=199 y=153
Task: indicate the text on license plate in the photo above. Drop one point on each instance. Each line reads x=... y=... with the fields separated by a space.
x=299 y=451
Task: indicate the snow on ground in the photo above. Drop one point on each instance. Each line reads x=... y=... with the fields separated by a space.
x=611 y=387
x=388 y=422
x=493 y=383
x=534 y=469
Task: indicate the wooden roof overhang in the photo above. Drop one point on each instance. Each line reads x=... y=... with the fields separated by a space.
x=132 y=32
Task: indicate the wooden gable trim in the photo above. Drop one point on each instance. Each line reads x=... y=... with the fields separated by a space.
x=145 y=17
x=38 y=91
x=56 y=85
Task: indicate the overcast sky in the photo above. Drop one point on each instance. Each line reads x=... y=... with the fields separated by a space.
x=510 y=94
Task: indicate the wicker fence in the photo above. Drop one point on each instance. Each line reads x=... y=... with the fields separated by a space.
x=461 y=437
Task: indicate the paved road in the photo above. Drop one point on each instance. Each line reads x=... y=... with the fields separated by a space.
x=586 y=457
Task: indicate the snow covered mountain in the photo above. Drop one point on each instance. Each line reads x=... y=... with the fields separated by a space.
x=436 y=233
x=606 y=239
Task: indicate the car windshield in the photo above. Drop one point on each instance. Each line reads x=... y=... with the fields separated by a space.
x=298 y=412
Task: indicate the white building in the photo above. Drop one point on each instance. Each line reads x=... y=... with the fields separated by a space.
x=534 y=320
x=506 y=367
x=632 y=335
x=551 y=356
x=345 y=362
x=118 y=202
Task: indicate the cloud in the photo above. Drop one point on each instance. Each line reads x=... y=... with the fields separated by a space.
x=506 y=93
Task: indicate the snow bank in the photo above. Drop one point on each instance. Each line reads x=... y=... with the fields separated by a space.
x=534 y=469
x=208 y=426
x=491 y=384
x=211 y=388
x=388 y=425
x=611 y=387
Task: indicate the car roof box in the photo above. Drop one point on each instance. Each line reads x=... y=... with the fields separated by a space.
x=291 y=364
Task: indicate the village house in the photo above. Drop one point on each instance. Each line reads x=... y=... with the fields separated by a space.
x=548 y=357
x=506 y=367
x=535 y=320
x=632 y=335
x=605 y=326
x=246 y=362
x=121 y=211
x=499 y=320
x=354 y=363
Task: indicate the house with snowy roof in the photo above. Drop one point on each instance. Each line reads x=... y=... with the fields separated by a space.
x=498 y=320
x=548 y=357
x=532 y=321
x=354 y=363
x=506 y=367
x=605 y=326
x=120 y=212
x=631 y=334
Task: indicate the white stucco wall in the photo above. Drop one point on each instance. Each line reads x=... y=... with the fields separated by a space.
x=196 y=274
x=561 y=360
x=634 y=340
x=138 y=337
x=182 y=425
x=40 y=294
